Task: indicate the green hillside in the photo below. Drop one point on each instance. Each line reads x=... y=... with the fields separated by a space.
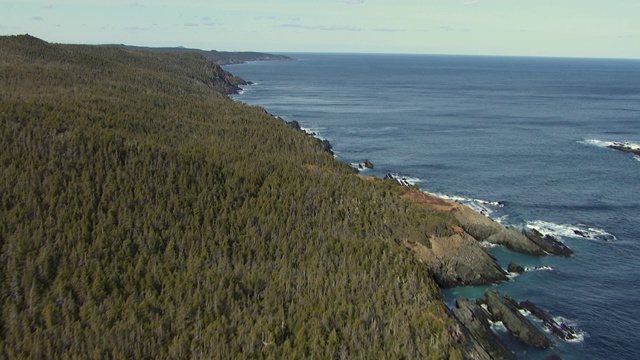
x=144 y=214
x=217 y=57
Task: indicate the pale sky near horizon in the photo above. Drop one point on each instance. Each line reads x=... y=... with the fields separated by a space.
x=573 y=28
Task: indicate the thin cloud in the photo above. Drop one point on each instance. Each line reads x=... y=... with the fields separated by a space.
x=208 y=21
x=135 y=28
x=37 y=18
x=452 y=29
x=389 y=30
x=320 y=27
x=353 y=1
x=141 y=28
x=191 y=24
x=471 y=2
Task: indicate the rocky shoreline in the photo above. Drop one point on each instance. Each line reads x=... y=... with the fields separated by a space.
x=461 y=260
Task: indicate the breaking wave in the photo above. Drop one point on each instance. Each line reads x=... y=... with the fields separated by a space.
x=403 y=179
x=484 y=207
x=579 y=334
x=608 y=144
x=580 y=231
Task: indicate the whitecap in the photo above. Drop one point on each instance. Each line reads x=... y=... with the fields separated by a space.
x=512 y=275
x=596 y=142
x=579 y=231
x=579 y=334
x=484 y=207
x=403 y=179
x=315 y=132
x=525 y=312
x=608 y=144
x=538 y=268
x=636 y=157
x=497 y=326
x=486 y=244
x=360 y=166
x=504 y=219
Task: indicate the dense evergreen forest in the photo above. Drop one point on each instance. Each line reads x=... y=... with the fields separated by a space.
x=217 y=57
x=144 y=214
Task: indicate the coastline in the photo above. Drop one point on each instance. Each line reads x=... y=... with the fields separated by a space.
x=462 y=260
x=334 y=213
x=537 y=192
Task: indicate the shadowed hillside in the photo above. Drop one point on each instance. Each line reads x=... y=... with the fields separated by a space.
x=143 y=214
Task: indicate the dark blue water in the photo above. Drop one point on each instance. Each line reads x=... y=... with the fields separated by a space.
x=528 y=132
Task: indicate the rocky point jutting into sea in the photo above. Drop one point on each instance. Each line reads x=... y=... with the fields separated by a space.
x=461 y=260
x=506 y=137
x=220 y=230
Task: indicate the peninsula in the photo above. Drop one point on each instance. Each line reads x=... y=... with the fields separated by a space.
x=145 y=214
x=216 y=57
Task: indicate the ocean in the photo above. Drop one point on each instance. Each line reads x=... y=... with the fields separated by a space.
x=521 y=139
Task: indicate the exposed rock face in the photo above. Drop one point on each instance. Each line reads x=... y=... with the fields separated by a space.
x=476 y=321
x=486 y=229
x=325 y=145
x=368 y=164
x=483 y=228
x=402 y=180
x=223 y=81
x=515 y=268
x=626 y=147
x=474 y=318
x=548 y=243
x=458 y=260
x=505 y=309
x=296 y=125
x=560 y=330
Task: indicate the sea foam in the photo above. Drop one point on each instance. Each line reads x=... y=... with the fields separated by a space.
x=579 y=334
x=608 y=144
x=538 y=268
x=484 y=207
x=580 y=231
x=315 y=132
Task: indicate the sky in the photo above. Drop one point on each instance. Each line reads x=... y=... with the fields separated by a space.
x=564 y=28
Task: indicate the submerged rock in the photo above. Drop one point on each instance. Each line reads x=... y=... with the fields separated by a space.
x=505 y=309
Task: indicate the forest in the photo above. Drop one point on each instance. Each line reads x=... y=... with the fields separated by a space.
x=144 y=214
